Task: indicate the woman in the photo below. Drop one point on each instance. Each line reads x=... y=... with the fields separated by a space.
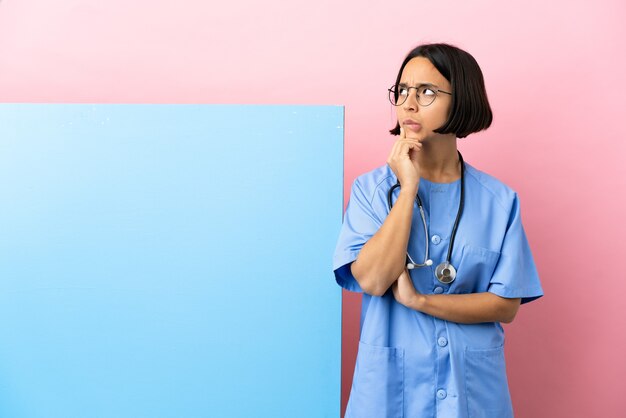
x=436 y=285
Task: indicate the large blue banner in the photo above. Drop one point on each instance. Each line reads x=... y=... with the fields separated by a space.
x=169 y=261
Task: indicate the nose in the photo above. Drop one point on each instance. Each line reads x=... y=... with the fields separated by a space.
x=410 y=105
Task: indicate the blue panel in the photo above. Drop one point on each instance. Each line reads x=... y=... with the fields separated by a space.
x=169 y=261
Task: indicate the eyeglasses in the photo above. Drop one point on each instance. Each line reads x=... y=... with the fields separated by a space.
x=426 y=94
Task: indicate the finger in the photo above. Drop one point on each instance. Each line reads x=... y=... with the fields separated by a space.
x=402 y=138
x=401 y=148
x=407 y=146
x=415 y=145
x=411 y=141
x=413 y=152
x=400 y=152
x=394 y=151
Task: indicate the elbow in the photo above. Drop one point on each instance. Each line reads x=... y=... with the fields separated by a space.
x=372 y=282
x=509 y=310
x=369 y=284
x=508 y=318
x=371 y=287
x=375 y=291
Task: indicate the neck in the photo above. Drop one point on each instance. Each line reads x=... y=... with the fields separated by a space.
x=439 y=160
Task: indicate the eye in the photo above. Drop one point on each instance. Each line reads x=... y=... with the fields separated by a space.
x=428 y=92
x=403 y=91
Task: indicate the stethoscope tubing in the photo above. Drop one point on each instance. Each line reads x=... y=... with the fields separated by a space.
x=427 y=261
x=459 y=211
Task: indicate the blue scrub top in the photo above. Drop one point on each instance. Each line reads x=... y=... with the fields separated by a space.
x=410 y=364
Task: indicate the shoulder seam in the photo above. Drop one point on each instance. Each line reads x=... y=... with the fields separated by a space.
x=376 y=188
x=495 y=196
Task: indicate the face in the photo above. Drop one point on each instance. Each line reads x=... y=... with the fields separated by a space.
x=426 y=119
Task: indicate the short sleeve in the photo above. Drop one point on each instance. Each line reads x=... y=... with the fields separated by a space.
x=515 y=274
x=360 y=223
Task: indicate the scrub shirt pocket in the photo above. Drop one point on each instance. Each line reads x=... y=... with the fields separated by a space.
x=486 y=384
x=378 y=386
x=475 y=270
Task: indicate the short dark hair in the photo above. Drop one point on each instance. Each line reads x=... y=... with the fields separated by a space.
x=470 y=111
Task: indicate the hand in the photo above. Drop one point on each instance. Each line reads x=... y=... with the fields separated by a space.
x=403 y=160
x=404 y=291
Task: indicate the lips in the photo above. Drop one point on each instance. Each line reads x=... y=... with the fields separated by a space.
x=412 y=125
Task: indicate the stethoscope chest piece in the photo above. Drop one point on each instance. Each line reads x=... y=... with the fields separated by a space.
x=445 y=272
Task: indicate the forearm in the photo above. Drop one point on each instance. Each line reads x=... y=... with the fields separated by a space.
x=467 y=308
x=383 y=257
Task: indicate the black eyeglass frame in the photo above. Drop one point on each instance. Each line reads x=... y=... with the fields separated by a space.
x=429 y=86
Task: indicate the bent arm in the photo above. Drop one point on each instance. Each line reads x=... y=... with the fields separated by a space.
x=383 y=257
x=469 y=308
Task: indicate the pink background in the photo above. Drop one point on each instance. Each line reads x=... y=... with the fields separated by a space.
x=555 y=74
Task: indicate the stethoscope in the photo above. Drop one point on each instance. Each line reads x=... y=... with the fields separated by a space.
x=445 y=272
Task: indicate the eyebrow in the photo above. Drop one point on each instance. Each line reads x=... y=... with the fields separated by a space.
x=419 y=85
